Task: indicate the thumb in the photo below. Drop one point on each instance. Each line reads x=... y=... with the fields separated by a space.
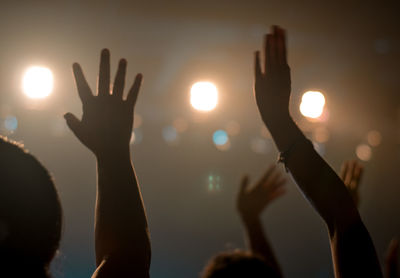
x=73 y=123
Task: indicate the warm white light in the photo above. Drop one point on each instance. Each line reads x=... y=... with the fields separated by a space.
x=204 y=96
x=364 y=152
x=374 y=138
x=312 y=104
x=37 y=82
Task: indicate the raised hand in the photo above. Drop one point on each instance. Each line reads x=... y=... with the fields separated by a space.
x=272 y=86
x=107 y=118
x=353 y=252
x=351 y=175
x=251 y=201
x=122 y=239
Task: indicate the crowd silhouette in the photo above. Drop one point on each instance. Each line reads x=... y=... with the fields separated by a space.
x=31 y=214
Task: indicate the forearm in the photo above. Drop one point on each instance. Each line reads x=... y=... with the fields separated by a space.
x=352 y=247
x=121 y=224
x=258 y=243
x=316 y=179
x=354 y=253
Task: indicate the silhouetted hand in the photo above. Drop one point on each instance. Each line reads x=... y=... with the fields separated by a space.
x=252 y=201
x=107 y=118
x=272 y=87
x=351 y=175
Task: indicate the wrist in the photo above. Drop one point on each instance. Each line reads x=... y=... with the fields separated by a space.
x=113 y=152
x=249 y=219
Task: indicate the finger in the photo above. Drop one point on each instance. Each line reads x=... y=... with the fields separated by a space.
x=349 y=175
x=282 y=46
x=268 y=54
x=244 y=184
x=81 y=84
x=119 y=82
x=272 y=187
x=357 y=174
x=277 y=193
x=274 y=48
x=103 y=86
x=134 y=91
x=266 y=175
x=343 y=171
x=257 y=65
x=73 y=123
x=273 y=178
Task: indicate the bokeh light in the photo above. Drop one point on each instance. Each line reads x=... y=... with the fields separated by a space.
x=214 y=183
x=264 y=132
x=232 y=128
x=260 y=145
x=137 y=136
x=220 y=137
x=319 y=148
x=321 y=134
x=58 y=127
x=37 y=82
x=11 y=123
x=312 y=104
x=374 y=138
x=170 y=134
x=225 y=147
x=204 y=96
x=180 y=124
x=138 y=121
x=364 y=152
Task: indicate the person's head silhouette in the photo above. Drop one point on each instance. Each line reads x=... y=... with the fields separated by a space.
x=30 y=213
x=238 y=264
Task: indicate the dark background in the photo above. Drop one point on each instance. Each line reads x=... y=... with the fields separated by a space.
x=349 y=50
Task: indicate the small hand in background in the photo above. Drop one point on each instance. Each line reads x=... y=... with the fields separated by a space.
x=351 y=174
x=251 y=201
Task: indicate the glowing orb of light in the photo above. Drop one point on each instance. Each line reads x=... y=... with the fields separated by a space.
x=11 y=123
x=312 y=104
x=137 y=136
x=169 y=134
x=220 y=137
x=364 y=152
x=37 y=82
x=204 y=96
x=374 y=138
x=260 y=145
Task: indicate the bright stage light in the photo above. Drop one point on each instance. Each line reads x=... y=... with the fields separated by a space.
x=37 y=82
x=204 y=96
x=312 y=104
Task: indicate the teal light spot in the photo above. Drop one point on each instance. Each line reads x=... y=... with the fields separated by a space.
x=220 y=137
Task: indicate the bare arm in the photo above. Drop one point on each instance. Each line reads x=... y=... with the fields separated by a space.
x=352 y=249
x=250 y=204
x=121 y=233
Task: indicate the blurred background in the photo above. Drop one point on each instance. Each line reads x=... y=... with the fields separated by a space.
x=189 y=162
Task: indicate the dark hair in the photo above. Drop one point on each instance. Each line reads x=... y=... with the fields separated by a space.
x=30 y=212
x=238 y=264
